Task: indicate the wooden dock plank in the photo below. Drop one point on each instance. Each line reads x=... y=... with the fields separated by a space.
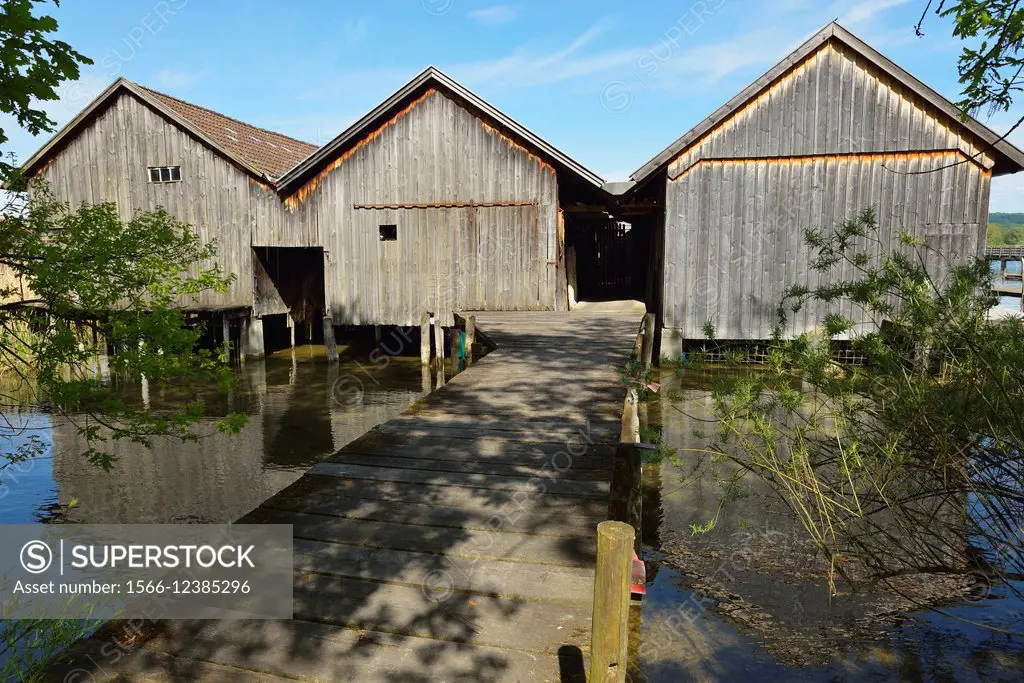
x=522 y=625
x=535 y=483
x=484 y=577
x=507 y=544
x=455 y=542
x=474 y=466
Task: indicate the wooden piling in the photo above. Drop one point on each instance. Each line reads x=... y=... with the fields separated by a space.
x=243 y=336
x=329 y=343
x=648 y=347
x=439 y=341
x=453 y=333
x=225 y=323
x=425 y=338
x=610 y=626
x=470 y=338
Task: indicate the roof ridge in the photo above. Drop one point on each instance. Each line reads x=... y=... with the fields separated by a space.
x=220 y=114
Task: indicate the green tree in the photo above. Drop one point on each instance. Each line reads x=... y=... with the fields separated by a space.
x=72 y=276
x=32 y=66
x=910 y=461
x=991 y=68
x=76 y=278
x=994 y=237
x=1013 y=235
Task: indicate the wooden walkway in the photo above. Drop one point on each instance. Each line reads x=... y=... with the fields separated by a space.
x=453 y=543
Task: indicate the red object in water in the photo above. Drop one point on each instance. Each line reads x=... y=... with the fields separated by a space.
x=638 y=582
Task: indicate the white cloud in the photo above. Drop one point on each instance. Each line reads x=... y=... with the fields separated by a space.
x=177 y=79
x=865 y=11
x=661 y=65
x=495 y=15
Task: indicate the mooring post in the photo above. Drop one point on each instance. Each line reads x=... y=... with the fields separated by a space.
x=453 y=342
x=610 y=627
x=329 y=344
x=255 y=342
x=648 y=347
x=225 y=328
x=470 y=338
x=291 y=328
x=425 y=338
x=439 y=341
x=243 y=338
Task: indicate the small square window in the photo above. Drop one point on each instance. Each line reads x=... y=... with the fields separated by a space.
x=165 y=174
x=388 y=233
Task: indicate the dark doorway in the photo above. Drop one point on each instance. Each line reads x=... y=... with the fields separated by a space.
x=289 y=294
x=611 y=258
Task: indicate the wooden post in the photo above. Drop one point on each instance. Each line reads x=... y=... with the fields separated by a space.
x=425 y=339
x=291 y=328
x=610 y=627
x=377 y=335
x=243 y=338
x=454 y=344
x=225 y=324
x=426 y=378
x=648 y=347
x=329 y=343
x=629 y=428
x=254 y=343
x=439 y=341
x=470 y=338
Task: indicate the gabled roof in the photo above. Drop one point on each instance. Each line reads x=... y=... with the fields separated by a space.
x=1009 y=158
x=262 y=153
x=432 y=78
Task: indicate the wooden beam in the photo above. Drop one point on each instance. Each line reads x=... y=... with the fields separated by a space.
x=444 y=205
x=610 y=635
x=470 y=338
x=425 y=338
x=329 y=343
x=647 y=352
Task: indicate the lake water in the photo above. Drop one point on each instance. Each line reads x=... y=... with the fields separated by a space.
x=741 y=602
x=300 y=410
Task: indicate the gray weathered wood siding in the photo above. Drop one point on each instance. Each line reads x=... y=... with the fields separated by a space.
x=476 y=218
x=828 y=139
x=109 y=161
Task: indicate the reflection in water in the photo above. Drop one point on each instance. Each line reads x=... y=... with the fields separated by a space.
x=300 y=409
x=744 y=603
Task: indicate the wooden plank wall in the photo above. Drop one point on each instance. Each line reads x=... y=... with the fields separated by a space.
x=109 y=161
x=828 y=139
x=476 y=217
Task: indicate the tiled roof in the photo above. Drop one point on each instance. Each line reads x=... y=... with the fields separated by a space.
x=272 y=153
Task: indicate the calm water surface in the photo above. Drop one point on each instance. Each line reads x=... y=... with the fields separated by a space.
x=300 y=410
x=769 y=622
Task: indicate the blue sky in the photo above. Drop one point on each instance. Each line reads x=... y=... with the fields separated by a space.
x=611 y=83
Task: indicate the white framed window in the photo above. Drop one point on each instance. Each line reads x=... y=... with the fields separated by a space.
x=165 y=174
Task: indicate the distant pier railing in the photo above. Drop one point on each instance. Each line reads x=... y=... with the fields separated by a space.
x=1004 y=253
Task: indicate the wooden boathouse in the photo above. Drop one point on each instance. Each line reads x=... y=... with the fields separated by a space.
x=437 y=201
x=434 y=201
x=832 y=128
